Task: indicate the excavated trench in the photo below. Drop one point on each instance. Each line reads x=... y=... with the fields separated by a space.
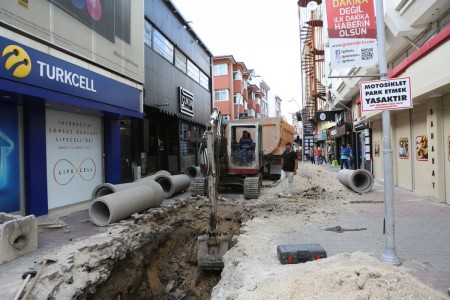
x=166 y=268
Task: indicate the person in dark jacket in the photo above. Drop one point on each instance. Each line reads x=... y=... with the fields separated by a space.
x=289 y=165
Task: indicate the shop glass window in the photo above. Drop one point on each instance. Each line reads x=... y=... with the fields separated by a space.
x=221 y=95
x=220 y=70
x=162 y=46
x=193 y=71
x=190 y=139
x=204 y=81
x=180 y=61
x=148 y=34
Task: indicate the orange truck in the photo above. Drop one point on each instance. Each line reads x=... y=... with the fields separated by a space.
x=275 y=133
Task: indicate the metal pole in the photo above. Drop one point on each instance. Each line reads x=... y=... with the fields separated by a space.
x=390 y=254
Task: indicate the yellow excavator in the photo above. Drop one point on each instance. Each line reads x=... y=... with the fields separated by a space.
x=212 y=246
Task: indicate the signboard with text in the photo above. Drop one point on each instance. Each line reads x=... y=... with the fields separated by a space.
x=391 y=94
x=74 y=157
x=352 y=33
x=107 y=32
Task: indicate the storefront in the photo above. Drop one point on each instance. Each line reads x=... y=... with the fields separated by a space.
x=59 y=129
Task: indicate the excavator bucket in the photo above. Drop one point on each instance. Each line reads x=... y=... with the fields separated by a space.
x=211 y=249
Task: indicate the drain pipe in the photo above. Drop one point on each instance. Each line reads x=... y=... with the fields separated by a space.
x=114 y=207
x=193 y=171
x=104 y=189
x=173 y=184
x=360 y=181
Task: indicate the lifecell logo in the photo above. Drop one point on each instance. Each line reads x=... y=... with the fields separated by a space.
x=17 y=60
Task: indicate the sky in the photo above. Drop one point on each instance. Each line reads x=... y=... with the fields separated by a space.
x=263 y=34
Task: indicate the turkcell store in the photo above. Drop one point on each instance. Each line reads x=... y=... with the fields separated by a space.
x=63 y=98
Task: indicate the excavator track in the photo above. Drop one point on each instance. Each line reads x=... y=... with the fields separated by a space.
x=252 y=187
x=198 y=187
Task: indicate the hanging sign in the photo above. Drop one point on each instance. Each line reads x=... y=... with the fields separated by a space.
x=352 y=33
x=392 y=94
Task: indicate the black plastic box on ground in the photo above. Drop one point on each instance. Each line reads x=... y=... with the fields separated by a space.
x=300 y=253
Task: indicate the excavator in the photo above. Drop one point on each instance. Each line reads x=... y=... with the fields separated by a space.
x=224 y=164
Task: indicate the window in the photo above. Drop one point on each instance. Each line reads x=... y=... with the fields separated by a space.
x=162 y=46
x=237 y=75
x=238 y=99
x=220 y=70
x=193 y=71
x=245 y=104
x=221 y=95
x=204 y=80
x=180 y=61
x=148 y=34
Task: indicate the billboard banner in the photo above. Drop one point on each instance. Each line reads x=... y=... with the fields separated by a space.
x=9 y=158
x=352 y=33
x=107 y=32
x=74 y=157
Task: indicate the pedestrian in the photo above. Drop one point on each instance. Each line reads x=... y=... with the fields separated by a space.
x=344 y=156
x=350 y=157
x=311 y=154
x=318 y=155
x=289 y=165
x=322 y=157
x=330 y=153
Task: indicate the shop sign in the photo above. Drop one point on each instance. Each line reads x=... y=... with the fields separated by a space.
x=109 y=33
x=26 y=65
x=186 y=102
x=391 y=94
x=322 y=116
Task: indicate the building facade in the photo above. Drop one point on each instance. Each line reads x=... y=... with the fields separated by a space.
x=417 y=47
x=66 y=84
x=236 y=92
x=177 y=99
x=87 y=96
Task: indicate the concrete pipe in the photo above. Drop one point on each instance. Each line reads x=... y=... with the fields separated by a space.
x=104 y=189
x=360 y=181
x=193 y=171
x=173 y=184
x=114 y=207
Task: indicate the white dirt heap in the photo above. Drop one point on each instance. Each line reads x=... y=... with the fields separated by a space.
x=253 y=271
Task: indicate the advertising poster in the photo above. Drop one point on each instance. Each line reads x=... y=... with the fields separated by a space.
x=74 y=157
x=403 y=148
x=422 y=147
x=9 y=159
x=107 y=32
x=352 y=33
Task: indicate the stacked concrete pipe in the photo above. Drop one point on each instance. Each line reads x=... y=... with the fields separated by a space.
x=193 y=171
x=173 y=184
x=116 y=206
x=104 y=189
x=360 y=181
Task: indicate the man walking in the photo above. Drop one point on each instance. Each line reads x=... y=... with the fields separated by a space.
x=289 y=165
x=344 y=157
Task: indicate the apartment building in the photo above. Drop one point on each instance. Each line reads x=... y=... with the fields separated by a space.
x=417 y=47
x=238 y=93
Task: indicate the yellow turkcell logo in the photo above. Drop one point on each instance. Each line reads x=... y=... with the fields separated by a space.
x=18 y=59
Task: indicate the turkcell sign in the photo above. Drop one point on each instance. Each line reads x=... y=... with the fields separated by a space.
x=391 y=94
x=26 y=65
